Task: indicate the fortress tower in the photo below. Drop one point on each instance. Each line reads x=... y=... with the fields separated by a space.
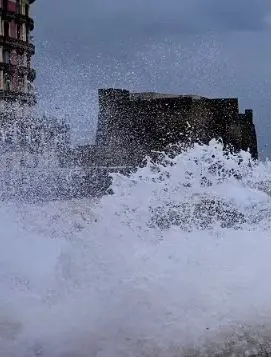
x=16 y=51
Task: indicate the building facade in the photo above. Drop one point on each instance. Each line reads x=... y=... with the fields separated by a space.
x=16 y=51
x=23 y=132
x=132 y=125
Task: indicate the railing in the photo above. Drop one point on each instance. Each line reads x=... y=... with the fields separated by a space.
x=17 y=95
x=17 y=43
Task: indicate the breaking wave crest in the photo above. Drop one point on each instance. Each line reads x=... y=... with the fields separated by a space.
x=174 y=263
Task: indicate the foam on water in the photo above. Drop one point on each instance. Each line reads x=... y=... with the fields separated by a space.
x=176 y=262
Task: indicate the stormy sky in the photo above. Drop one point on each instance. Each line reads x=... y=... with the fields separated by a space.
x=208 y=47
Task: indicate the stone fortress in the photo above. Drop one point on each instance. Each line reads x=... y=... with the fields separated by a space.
x=132 y=125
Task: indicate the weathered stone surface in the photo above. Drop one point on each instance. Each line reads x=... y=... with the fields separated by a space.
x=132 y=125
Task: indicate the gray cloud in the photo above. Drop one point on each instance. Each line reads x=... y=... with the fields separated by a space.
x=92 y=27
x=209 y=47
x=139 y=17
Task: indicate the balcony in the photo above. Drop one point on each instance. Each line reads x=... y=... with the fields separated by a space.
x=16 y=96
x=16 y=43
x=20 y=18
x=12 y=15
x=11 y=68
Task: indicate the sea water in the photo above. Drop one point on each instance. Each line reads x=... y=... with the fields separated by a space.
x=176 y=262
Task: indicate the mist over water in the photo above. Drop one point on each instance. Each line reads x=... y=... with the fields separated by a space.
x=176 y=260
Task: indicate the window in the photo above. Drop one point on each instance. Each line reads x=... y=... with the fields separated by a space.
x=18 y=6
x=1 y=80
x=6 y=56
x=19 y=26
x=6 y=28
x=21 y=86
x=21 y=59
x=12 y=5
x=30 y=87
x=13 y=57
x=15 y=82
x=23 y=32
x=12 y=29
x=7 y=82
x=24 y=7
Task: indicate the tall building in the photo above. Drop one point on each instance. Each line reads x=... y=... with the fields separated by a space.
x=25 y=135
x=16 y=51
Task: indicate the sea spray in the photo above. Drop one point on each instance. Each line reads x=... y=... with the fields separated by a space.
x=174 y=263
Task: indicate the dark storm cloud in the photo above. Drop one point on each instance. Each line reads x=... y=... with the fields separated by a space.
x=209 y=47
x=97 y=30
x=152 y=17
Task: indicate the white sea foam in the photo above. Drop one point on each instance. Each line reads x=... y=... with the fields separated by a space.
x=178 y=259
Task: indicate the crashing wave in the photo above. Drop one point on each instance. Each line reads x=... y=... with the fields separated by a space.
x=174 y=263
x=197 y=190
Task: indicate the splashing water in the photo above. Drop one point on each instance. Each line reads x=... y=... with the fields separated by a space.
x=174 y=263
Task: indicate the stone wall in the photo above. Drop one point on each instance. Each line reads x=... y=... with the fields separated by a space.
x=131 y=125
